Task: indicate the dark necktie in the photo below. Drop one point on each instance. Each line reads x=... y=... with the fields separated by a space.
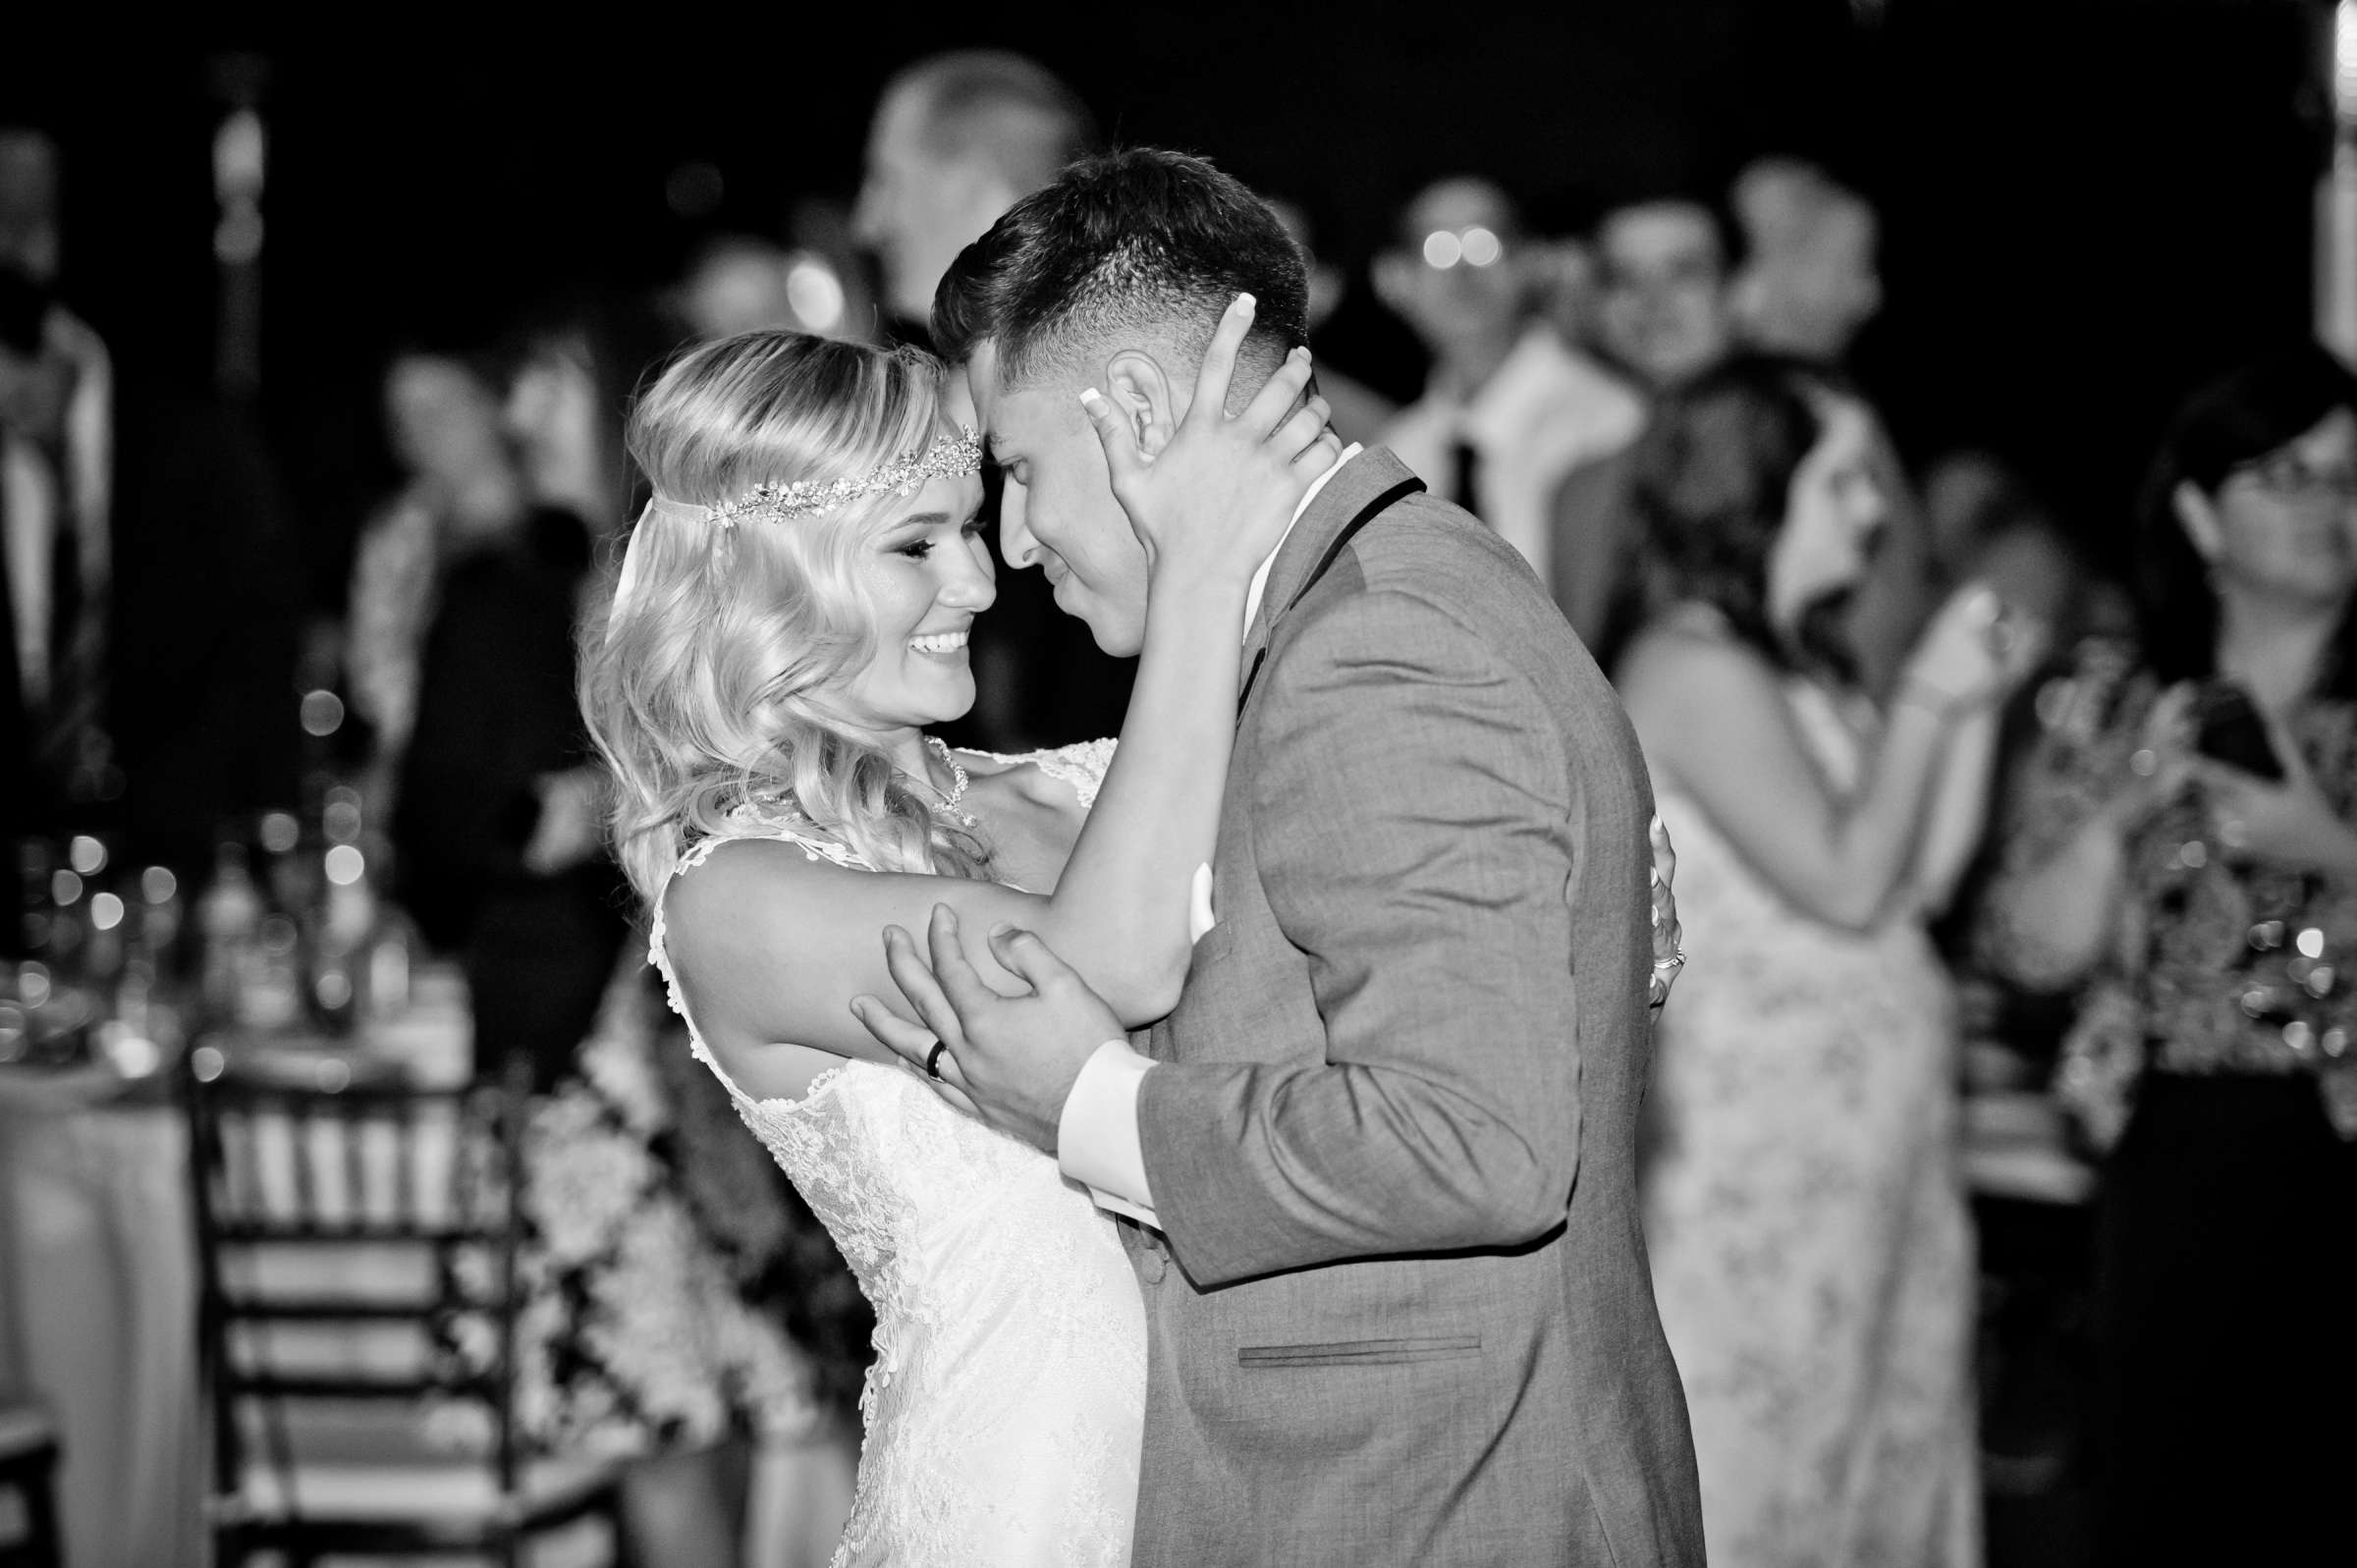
x=1464 y=468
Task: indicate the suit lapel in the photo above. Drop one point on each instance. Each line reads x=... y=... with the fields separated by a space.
x=1363 y=480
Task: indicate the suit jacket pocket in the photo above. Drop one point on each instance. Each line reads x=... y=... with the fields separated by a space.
x=1361 y=1352
x=1212 y=945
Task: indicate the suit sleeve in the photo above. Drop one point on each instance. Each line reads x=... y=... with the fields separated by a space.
x=1413 y=822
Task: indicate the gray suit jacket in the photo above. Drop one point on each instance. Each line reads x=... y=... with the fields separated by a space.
x=1391 y=1131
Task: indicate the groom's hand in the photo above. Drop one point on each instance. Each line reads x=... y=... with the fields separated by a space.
x=1011 y=1060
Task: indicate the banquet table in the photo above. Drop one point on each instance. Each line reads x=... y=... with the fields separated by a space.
x=97 y=1271
x=98 y=1305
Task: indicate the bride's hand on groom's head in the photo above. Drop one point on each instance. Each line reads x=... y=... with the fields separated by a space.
x=1010 y=1059
x=1212 y=504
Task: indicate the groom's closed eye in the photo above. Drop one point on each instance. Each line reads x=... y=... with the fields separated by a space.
x=1010 y=468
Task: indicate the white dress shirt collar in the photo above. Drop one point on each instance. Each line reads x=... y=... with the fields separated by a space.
x=1260 y=578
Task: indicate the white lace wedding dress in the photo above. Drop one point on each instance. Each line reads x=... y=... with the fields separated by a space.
x=1004 y=1410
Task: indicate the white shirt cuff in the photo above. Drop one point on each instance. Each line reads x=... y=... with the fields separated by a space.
x=1097 y=1142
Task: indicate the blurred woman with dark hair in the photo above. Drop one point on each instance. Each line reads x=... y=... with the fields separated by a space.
x=458 y=493
x=1804 y=1210
x=2181 y=847
x=497 y=817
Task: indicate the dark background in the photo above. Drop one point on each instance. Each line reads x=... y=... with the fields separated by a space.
x=2087 y=205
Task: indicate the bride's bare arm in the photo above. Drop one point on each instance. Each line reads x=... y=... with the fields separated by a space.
x=772 y=945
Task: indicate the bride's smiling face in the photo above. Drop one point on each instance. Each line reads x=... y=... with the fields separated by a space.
x=925 y=569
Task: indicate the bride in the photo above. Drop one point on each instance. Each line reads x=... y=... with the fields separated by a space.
x=790 y=615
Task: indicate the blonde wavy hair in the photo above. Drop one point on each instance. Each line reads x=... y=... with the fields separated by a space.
x=708 y=687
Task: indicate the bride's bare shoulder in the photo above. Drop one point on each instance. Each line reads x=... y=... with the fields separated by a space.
x=725 y=876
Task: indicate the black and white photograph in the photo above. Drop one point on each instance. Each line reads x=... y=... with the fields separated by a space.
x=1196 y=785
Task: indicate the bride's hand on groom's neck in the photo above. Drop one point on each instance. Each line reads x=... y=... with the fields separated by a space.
x=1210 y=494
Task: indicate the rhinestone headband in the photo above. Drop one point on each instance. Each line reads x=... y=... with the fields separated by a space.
x=771 y=503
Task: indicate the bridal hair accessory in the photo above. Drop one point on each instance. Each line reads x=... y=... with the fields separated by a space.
x=773 y=503
x=943 y=459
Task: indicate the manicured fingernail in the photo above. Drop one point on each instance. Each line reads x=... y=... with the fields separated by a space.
x=1302 y=353
x=1246 y=304
x=859 y=1007
x=1002 y=928
x=1090 y=397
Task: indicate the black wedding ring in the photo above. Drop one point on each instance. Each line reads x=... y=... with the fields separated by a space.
x=933 y=1058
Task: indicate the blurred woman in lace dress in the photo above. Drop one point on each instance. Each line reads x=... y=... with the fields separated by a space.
x=2192 y=870
x=1804 y=1205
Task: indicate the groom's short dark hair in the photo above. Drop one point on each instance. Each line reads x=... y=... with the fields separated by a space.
x=1137 y=238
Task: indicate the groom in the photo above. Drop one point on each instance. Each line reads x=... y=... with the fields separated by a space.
x=1382 y=1156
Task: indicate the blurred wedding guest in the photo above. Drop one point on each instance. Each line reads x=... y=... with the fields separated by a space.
x=957 y=138
x=1566 y=285
x=1803 y=1207
x=56 y=466
x=1808 y=282
x=149 y=627
x=2183 y=848
x=460 y=492
x=671 y=1280
x=1662 y=311
x=494 y=824
x=1510 y=408
x=1661 y=319
x=1359 y=411
x=1984 y=523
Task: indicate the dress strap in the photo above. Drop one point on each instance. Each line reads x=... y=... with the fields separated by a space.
x=746 y=826
x=1080 y=766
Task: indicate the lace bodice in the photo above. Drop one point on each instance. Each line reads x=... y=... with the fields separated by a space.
x=1003 y=1409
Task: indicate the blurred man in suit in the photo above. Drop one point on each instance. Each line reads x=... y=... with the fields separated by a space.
x=957 y=138
x=1511 y=408
x=56 y=457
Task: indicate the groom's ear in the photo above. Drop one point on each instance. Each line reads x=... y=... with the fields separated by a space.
x=1141 y=394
